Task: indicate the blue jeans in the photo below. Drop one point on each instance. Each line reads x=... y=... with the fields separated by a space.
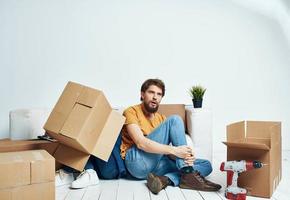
x=140 y=163
x=112 y=169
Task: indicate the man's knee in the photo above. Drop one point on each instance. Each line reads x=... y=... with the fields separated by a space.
x=175 y=119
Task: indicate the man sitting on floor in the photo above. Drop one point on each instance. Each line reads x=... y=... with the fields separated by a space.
x=146 y=149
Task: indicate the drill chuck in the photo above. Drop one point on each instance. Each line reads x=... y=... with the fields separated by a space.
x=257 y=164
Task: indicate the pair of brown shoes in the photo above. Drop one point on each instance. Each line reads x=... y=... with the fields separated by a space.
x=192 y=181
x=195 y=181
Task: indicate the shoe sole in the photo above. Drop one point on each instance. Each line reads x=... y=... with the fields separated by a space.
x=200 y=189
x=154 y=184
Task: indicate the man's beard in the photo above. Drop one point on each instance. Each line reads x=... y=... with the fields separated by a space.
x=150 y=109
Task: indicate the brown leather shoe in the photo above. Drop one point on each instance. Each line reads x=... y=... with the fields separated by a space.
x=195 y=181
x=156 y=183
x=217 y=186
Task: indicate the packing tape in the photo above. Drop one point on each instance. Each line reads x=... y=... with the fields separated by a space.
x=37 y=155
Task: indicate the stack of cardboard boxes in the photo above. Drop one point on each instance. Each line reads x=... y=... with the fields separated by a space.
x=84 y=124
x=27 y=175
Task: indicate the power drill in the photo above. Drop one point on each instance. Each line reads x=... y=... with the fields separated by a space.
x=233 y=169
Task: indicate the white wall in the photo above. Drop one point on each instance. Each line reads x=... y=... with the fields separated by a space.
x=241 y=56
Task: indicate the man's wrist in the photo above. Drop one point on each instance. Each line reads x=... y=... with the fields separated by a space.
x=171 y=150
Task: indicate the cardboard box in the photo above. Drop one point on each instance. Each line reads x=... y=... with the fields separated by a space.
x=27 y=175
x=173 y=109
x=25 y=168
x=257 y=140
x=43 y=191
x=8 y=145
x=85 y=124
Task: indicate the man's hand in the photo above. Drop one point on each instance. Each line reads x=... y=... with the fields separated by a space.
x=189 y=160
x=182 y=151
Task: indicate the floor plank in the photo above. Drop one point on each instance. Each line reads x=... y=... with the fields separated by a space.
x=75 y=194
x=174 y=193
x=191 y=194
x=109 y=189
x=141 y=191
x=92 y=193
x=126 y=189
x=61 y=192
x=161 y=195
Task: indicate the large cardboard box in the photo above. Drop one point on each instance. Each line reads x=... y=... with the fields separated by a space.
x=23 y=173
x=85 y=124
x=8 y=145
x=257 y=140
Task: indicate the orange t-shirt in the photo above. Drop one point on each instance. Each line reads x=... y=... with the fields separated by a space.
x=135 y=115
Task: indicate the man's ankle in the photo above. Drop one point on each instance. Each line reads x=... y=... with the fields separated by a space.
x=187 y=170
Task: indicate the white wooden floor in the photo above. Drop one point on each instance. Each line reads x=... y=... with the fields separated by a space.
x=136 y=190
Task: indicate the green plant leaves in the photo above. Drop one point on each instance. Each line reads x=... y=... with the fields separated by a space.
x=197 y=92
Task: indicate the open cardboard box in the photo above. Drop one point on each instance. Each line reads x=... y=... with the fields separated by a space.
x=257 y=140
x=85 y=124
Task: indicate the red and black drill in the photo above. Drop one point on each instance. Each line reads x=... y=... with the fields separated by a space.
x=234 y=168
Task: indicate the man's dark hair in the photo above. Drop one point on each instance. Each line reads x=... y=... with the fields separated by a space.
x=157 y=82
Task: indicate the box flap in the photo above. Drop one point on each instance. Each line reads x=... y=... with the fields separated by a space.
x=63 y=107
x=71 y=157
x=236 y=131
x=109 y=135
x=89 y=97
x=95 y=124
x=22 y=145
x=248 y=145
x=260 y=129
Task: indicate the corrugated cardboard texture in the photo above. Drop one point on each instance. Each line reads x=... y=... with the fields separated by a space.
x=173 y=109
x=76 y=121
x=71 y=157
x=43 y=191
x=89 y=97
x=257 y=140
x=109 y=135
x=26 y=167
x=63 y=107
x=22 y=145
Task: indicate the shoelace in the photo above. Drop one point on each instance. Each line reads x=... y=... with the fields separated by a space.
x=199 y=177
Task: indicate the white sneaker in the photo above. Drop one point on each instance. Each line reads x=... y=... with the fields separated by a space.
x=63 y=177
x=86 y=178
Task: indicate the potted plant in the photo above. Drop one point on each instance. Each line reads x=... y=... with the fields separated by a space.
x=197 y=92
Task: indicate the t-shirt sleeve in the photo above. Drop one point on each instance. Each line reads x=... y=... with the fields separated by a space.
x=131 y=116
